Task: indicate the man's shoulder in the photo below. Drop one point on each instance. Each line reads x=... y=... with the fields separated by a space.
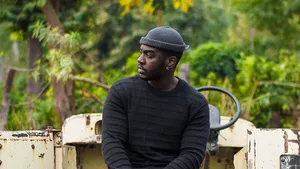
x=124 y=82
x=193 y=94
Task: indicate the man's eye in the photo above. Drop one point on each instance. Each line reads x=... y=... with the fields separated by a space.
x=149 y=55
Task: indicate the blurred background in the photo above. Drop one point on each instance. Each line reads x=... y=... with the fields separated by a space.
x=59 y=58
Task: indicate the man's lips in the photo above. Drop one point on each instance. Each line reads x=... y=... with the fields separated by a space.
x=141 y=69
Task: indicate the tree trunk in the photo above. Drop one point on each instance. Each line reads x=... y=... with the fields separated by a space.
x=63 y=92
x=184 y=72
x=296 y=117
x=275 y=120
x=15 y=52
x=2 y=76
x=33 y=87
x=6 y=97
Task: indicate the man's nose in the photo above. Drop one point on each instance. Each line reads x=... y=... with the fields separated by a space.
x=141 y=59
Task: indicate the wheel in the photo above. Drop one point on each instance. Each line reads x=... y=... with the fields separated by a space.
x=217 y=126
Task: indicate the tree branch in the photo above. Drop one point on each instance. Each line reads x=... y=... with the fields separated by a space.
x=279 y=83
x=35 y=98
x=93 y=97
x=93 y=82
x=21 y=69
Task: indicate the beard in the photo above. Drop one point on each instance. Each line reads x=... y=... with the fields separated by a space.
x=155 y=74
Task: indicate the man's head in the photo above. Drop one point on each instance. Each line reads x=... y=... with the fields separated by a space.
x=161 y=50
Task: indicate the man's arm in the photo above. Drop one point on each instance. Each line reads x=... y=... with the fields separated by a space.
x=114 y=132
x=193 y=142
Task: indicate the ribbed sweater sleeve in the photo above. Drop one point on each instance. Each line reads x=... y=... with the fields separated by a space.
x=114 y=132
x=194 y=139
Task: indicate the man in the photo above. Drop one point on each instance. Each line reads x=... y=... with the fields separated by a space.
x=155 y=120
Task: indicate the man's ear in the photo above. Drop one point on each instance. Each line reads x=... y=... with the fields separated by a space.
x=172 y=60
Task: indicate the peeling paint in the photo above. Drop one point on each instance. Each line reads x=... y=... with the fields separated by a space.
x=88 y=120
x=267 y=129
x=297 y=141
x=286 y=144
x=31 y=134
x=20 y=135
x=246 y=157
x=249 y=146
x=42 y=155
x=254 y=147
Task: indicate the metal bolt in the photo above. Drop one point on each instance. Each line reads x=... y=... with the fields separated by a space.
x=49 y=128
x=32 y=146
x=283 y=159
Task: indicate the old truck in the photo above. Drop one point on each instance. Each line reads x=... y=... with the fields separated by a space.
x=234 y=144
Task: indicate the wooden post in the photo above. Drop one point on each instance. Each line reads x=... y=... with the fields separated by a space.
x=6 y=97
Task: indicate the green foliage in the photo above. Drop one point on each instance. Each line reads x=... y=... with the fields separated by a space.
x=276 y=24
x=17 y=121
x=263 y=85
x=60 y=58
x=131 y=64
x=41 y=3
x=5 y=47
x=274 y=79
x=21 y=15
x=214 y=57
x=206 y=21
x=44 y=113
x=18 y=117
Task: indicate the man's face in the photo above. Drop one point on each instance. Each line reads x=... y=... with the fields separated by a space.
x=151 y=63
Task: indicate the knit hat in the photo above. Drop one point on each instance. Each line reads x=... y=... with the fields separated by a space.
x=164 y=37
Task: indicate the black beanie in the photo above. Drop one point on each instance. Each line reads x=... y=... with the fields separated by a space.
x=164 y=37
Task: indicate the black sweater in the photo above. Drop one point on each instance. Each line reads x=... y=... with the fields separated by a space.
x=151 y=129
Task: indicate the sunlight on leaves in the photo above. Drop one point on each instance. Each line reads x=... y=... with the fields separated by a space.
x=65 y=46
x=149 y=8
x=128 y=4
x=41 y=3
x=183 y=4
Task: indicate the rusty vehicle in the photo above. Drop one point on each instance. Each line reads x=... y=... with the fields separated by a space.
x=234 y=143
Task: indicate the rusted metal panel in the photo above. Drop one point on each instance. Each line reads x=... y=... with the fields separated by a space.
x=26 y=150
x=223 y=160
x=82 y=129
x=267 y=145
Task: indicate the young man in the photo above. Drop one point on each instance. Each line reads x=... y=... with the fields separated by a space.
x=155 y=120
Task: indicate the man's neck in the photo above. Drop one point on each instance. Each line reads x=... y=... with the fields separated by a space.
x=164 y=84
